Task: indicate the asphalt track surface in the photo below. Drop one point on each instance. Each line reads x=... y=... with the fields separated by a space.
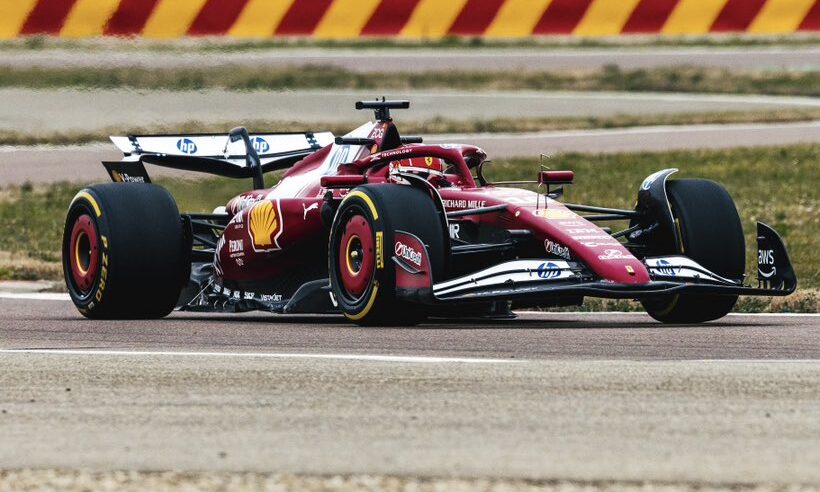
x=64 y=110
x=558 y=396
x=48 y=164
x=374 y=60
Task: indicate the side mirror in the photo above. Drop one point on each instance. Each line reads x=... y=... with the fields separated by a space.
x=555 y=177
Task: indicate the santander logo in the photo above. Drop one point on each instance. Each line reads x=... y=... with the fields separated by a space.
x=408 y=253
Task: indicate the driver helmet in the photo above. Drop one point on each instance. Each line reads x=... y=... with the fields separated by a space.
x=421 y=166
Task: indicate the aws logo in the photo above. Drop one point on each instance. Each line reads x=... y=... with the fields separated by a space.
x=186 y=145
x=265 y=225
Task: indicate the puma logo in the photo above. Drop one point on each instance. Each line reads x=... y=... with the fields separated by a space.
x=312 y=206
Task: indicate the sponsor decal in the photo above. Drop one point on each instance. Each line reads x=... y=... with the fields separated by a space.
x=377 y=133
x=186 y=146
x=454 y=230
x=408 y=253
x=428 y=161
x=577 y=231
x=313 y=206
x=260 y=145
x=553 y=213
x=265 y=226
x=765 y=259
x=390 y=153
x=103 y=271
x=121 y=177
x=236 y=248
x=240 y=262
x=246 y=201
x=556 y=249
x=463 y=203
x=379 y=250
x=248 y=296
x=271 y=297
x=666 y=268
x=614 y=254
x=548 y=270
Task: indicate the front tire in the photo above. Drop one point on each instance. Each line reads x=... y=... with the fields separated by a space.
x=710 y=233
x=124 y=254
x=362 y=275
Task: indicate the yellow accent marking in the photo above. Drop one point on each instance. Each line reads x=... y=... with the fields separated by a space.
x=379 y=250
x=88 y=18
x=605 y=17
x=90 y=199
x=780 y=16
x=77 y=253
x=172 y=18
x=693 y=16
x=348 y=254
x=516 y=18
x=13 y=14
x=361 y=314
x=260 y=18
x=367 y=200
x=345 y=19
x=432 y=18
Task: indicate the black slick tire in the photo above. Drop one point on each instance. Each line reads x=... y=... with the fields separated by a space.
x=378 y=211
x=124 y=252
x=711 y=234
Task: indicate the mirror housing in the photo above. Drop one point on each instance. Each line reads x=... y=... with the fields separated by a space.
x=555 y=177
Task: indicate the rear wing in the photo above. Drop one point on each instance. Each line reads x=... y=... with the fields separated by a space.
x=216 y=154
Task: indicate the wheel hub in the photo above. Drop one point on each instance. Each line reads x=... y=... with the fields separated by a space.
x=356 y=250
x=83 y=253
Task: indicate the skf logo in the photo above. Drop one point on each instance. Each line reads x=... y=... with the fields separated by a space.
x=265 y=226
x=260 y=145
x=186 y=145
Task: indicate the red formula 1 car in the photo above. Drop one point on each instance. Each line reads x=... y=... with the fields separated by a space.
x=387 y=230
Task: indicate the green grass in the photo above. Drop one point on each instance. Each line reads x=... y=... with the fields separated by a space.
x=425 y=127
x=777 y=185
x=612 y=78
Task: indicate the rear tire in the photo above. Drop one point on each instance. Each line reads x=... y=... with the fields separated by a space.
x=712 y=235
x=124 y=253
x=362 y=276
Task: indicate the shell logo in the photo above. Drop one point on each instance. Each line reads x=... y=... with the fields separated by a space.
x=264 y=225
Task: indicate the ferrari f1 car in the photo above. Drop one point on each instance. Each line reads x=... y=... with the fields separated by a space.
x=386 y=230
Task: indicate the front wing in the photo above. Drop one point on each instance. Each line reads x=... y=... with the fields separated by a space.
x=533 y=279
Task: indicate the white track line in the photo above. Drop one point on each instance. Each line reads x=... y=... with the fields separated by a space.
x=262 y=355
x=35 y=296
x=539 y=314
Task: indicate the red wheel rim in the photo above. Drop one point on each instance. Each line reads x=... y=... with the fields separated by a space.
x=356 y=255
x=83 y=252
